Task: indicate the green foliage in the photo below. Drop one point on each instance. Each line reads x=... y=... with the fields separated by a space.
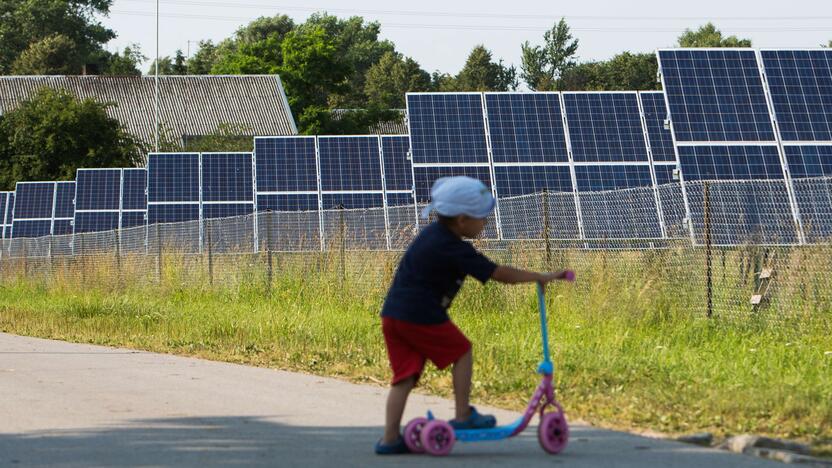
x=312 y=69
x=227 y=137
x=392 y=77
x=26 y=22
x=203 y=59
x=170 y=66
x=709 y=36
x=629 y=341
x=53 y=55
x=542 y=66
x=359 y=46
x=625 y=71
x=255 y=48
x=51 y=135
x=480 y=73
x=125 y=64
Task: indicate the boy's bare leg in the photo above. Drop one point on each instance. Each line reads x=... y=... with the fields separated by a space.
x=462 y=372
x=396 y=400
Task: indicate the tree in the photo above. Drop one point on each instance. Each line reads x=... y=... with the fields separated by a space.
x=709 y=36
x=312 y=70
x=543 y=66
x=255 y=48
x=125 y=64
x=25 y=22
x=391 y=77
x=203 y=59
x=170 y=66
x=359 y=45
x=625 y=71
x=53 y=133
x=480 y=73
x=53 y=55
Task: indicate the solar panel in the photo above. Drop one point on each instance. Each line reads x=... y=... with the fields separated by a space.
x=294 y=223
x=715 y=95
x=173 y=187
x=446 y=128
x=227 y=191
x=521 y=180
x=227 y=177
x=286 y=164
x=655 y=116
x=526 y=128
x=730 y=162
x=97 y=199
x=810 y=168
x=757 y=211
x=605 y=127
x=6 y=204
x=33 y=209
x=800 y=83
x=134 y=191
x=350 y=163
x=593 y=178
x=351 y=201
x=398 y=174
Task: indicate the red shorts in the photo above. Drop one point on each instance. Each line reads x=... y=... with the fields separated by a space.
x=410 y=344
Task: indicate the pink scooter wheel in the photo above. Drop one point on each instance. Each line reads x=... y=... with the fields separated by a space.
x=437 y=438
x=569 y=275
x=553 y=432
x=412 y=432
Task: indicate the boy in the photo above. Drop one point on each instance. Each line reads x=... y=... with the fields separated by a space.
x=415 y=321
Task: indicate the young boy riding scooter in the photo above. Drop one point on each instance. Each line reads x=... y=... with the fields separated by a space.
x=415 y=318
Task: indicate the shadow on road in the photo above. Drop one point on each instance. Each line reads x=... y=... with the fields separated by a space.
x=252 y=441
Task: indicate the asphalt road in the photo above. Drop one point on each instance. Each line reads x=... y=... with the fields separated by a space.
x=64 y=404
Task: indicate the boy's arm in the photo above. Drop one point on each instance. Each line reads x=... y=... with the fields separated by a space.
x=509 y=275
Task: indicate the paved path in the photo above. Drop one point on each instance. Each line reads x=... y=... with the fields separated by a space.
x=64 y=404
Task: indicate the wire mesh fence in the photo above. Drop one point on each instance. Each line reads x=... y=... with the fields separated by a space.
x=738 y=256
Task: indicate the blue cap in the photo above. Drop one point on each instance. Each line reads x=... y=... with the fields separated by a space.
x=460 y=195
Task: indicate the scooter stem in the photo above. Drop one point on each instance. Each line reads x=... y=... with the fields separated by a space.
x=545 y=366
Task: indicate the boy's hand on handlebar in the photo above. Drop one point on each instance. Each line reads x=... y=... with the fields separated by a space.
x=566 y=275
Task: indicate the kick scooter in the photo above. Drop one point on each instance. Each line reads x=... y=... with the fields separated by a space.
x=437 y=437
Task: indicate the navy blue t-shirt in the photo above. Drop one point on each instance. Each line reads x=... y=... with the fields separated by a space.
x=431 y=273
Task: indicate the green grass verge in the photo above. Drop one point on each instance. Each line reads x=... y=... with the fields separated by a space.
x=628 y=351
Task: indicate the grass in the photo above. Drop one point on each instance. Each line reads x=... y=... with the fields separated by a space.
x=631 y=344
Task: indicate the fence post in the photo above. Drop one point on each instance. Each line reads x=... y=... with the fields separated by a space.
x=25 y=258
x=268 y=252
x=116 y=236
x=708 y=270
x=342 y=247
x=546 y=229
x=210 y=252
x=158 y=256
x=51 y=259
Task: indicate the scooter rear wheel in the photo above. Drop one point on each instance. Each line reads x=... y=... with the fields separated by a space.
x=412 y=432
x=553 y=432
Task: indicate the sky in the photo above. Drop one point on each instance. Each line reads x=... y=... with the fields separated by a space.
x=440 y=34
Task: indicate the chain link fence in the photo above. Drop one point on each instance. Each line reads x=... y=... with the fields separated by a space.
x=737 y=255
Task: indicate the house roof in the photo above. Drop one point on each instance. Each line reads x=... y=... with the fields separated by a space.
x=188 y=105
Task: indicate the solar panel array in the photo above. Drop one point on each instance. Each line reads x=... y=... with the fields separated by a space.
x=739 y=114
x=760 y=118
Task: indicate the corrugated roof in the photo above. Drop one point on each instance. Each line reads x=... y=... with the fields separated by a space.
x=188 y=105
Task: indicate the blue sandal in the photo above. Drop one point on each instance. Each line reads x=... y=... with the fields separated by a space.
x=475 y=421
x=396 y=448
